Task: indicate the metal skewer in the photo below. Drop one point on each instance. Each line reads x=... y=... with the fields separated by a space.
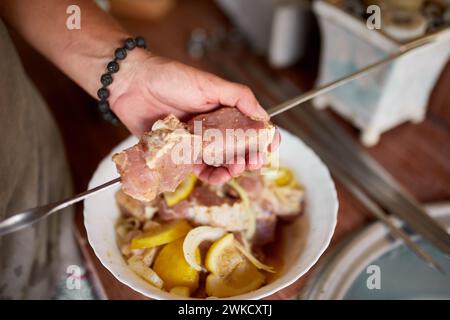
x=370 y=204
x=25 y=218
x=383 y=217
x=355 y=75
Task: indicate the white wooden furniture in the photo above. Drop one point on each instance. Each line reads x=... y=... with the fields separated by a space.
x=387 y=97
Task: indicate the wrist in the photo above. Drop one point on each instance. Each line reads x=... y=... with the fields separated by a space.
x=124 y=78
x=126 y=58
x=84 y=59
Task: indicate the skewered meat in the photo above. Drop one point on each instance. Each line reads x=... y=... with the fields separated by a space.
x=240 y=135
x=148 y=168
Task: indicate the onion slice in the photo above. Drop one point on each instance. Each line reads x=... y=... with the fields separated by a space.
x=193 y=240
x=258 y=264
x=251 y=227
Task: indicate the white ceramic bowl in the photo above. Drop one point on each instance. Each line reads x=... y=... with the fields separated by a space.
x=302 y=242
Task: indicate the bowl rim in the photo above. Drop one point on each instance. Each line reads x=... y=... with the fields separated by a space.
x=358 y=251
x=260 y=293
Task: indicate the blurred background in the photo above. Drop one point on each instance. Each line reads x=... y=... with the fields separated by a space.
x=398 y=116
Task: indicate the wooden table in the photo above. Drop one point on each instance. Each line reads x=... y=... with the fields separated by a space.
x=418 y=156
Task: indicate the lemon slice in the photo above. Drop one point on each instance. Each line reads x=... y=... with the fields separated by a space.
x=281 y=176
x=166 y=233
x=183 y=191
x=223 y=256
x=284 y=177
x=174 y=270
x=244 y=278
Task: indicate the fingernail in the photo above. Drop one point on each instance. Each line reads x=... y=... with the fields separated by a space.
x=261 y=114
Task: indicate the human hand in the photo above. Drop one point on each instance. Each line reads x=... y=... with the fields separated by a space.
x=148 y=88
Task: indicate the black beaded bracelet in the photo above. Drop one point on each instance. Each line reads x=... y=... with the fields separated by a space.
x=106 y=79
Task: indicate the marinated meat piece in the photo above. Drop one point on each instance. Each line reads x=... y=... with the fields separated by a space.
x=227 y=118
x=230 y=217
x=202 y=195
x=207 y=208
x=240 y=133
x=265 y=229
x=207 y=196
x=178 y=211
x=266 y=223
x=252 y=183
x=147 y=168
x=284 y=202
x=138 y=180
x=131 y=206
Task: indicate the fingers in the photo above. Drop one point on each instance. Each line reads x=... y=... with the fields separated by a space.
x=198 y=169
x=212 y=175
x=273 y=146
x=255 y=161
x=236 y=169
x=252 y=161
x=220 y=175
x=239 y=96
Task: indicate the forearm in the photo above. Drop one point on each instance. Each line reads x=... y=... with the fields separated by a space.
x=80 y=53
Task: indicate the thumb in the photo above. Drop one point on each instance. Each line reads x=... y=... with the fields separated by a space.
x=240 y=96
